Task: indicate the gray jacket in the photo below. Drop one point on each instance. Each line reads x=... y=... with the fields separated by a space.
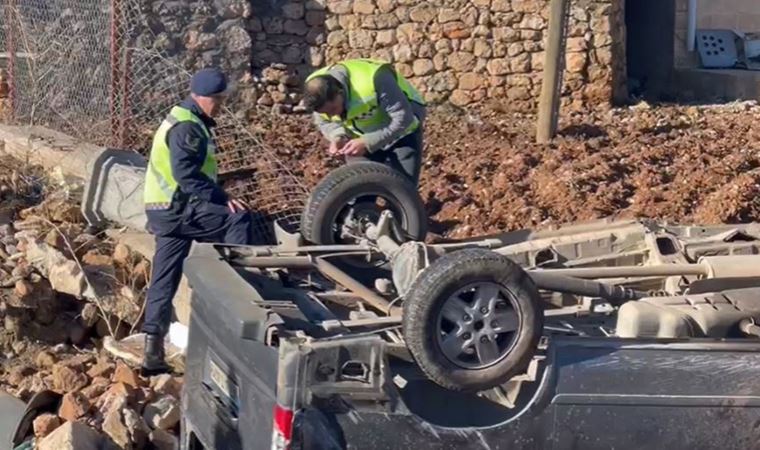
x=391 y=98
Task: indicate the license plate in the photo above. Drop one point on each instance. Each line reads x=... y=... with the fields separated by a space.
x=222 y=382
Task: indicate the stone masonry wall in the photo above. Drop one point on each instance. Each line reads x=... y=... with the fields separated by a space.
x=462 y=51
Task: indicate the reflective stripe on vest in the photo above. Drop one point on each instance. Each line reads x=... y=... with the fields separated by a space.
x=160 y=184
x=362 y=114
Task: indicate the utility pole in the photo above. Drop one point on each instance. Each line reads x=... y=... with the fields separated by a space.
x=554 y=65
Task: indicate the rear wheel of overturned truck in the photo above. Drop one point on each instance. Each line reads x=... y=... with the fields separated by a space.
x=472 y=320
x=352 y=197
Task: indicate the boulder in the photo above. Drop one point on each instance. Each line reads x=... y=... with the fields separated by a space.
x=66 y=379
x=73 y=406
x=72 y=436
x=44 y=424
x=124 y=374
x=163 y=414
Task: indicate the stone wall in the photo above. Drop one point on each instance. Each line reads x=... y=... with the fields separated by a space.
x=462 y=51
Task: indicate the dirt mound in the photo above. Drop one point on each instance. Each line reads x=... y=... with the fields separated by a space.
x=484 y=173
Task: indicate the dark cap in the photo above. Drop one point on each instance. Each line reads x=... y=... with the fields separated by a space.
x=208 y=82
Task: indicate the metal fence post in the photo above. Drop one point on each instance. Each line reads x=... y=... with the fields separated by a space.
x=115 y=70
x=10 y=43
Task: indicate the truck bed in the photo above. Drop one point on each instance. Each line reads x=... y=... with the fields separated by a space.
x=250 y=353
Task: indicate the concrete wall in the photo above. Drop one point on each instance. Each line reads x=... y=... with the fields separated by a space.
x=462 y=51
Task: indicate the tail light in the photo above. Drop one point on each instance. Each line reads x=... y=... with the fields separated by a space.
x=282 y=432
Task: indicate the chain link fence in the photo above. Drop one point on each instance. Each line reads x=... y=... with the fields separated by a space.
x=87 y=68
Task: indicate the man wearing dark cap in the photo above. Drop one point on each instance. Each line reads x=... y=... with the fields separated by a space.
x=184 y=203
x=368 y=111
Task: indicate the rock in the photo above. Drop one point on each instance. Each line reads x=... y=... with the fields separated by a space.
x=45 y=424
x=66 y=379
x=79 y=362
x=293 y=55
x=520 y=63
x=471 y=81
x=97 y=388
x=45 y=359
x=364 y=7
x=386 y=6
x=498 y=66
x=138 y=429
x=423 y=13
x=403 y=53
x=405 y=70
x=95 y=258
x=339 y=6
x=293 y=10
x=114 y=426
x=89 y=315
x=506 y=34
x=297 y=27
x=22 y=295
x=116 y=394
x=423 y=67
x=448 y=15
x=456 y=30
x=200 y=42
x=235 y=9
x=386 y=37
x=54 y=239
x=163 y=414
x=103 y=368
x=124 y=374
x=163 y=440
x=64 y=274
x=461 y=61
x=315 y=5
x=315 y=18
x=575 y=62
x=17 y=374
x=122 y=254
x=533 y=22
x=361 y=39
x=73 y=406
x=166 y=385
x=72 y=436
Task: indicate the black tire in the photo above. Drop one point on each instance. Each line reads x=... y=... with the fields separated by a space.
x=423 y=309
x=350 y=181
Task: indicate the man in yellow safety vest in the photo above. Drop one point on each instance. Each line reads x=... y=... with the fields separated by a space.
x=368 y=112
x=184 y=203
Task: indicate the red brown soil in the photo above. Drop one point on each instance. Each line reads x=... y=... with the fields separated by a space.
x=484 y=173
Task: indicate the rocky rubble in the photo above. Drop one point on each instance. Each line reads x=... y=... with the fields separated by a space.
x=62 y=291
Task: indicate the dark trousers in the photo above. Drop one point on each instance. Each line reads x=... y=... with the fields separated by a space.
x=405 y=156
x=202 y=222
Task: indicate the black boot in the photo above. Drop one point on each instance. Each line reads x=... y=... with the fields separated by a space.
x=153 y=361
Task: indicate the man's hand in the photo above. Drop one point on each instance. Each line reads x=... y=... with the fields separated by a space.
x=337 y=146
x=237 y=205
x=355 y=147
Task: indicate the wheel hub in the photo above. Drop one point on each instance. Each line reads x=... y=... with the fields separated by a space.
x=478 y=325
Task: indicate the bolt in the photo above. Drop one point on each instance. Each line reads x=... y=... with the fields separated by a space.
x=484 y=310
x=484 y=339
x=467 y=318
x=495 y=324
x=466 y=336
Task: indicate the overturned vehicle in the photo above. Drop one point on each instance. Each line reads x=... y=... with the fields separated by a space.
x=358 y=334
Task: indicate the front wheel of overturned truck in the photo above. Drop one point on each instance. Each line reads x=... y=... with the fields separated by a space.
x=472 y=320
x=352 y=197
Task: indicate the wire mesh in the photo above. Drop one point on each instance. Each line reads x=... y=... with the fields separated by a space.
x=88 y=68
